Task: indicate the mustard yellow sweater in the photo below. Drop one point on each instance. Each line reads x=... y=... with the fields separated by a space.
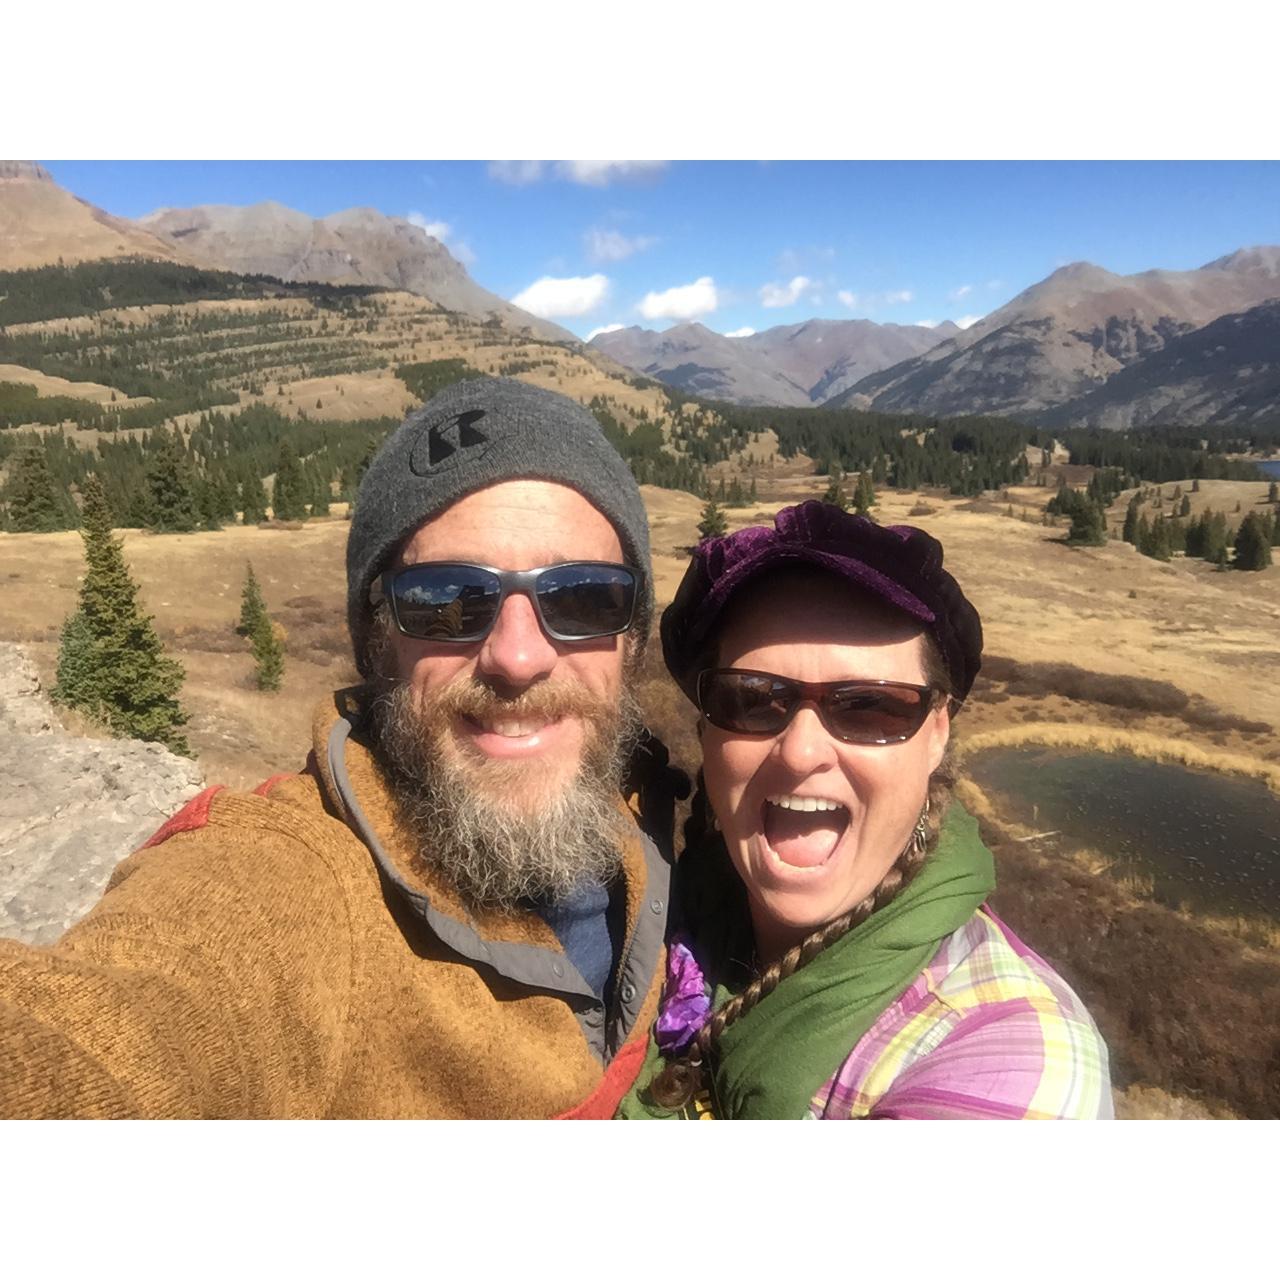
x=276 y=955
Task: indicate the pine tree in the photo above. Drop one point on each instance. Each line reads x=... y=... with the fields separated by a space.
x=1088 y=525
x=115 y=667
x=171 y=487
x=713 y=523
x=1195 y=485
x=288 y=501
x=835 y=494
x=752 y=496
x=1273 y=492
x=253 y=499
x=77 y=665
x=33 y=499
x=268 y=653
x=320 y=491
x=864 y=496
x=252 y=605
x=1184 y=508
x=1253 y=546
x=1130 y=532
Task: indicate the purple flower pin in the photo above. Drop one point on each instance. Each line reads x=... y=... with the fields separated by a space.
x=686 y=1003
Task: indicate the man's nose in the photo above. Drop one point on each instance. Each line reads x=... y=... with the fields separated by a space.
x=517 y=651
x=805 y=745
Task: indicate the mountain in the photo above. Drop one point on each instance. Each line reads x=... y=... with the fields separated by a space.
x=1226 y=371
x=41 y=223
x=356 y=246
x=788 y=365
x=1066 y=336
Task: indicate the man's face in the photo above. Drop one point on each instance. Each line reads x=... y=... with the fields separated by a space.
x=521 y=524
x=506 y=751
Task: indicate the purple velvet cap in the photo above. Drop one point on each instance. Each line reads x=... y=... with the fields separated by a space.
x=899 y=563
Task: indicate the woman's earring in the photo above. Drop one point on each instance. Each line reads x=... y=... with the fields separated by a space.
x=920 y=837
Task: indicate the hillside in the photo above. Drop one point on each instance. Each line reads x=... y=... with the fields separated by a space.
x=356 y=246
x=1066 y=336
x=787 y=365
x=41 y=223
x=1226 y=372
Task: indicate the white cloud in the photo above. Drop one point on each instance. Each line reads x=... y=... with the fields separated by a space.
x=850 y=300
x=965 y=321
x=956 y=294
x=995 y=284
x=587 y=173
x=745 y=332
x=436 y=230
x=613 y=246
x=898 y=295
x=604 y=328
x=683 y=302
x=927 y=324
x=463 y=252
x=600 y=173
x=784 y=295
x=563 y=295
x=516 y=173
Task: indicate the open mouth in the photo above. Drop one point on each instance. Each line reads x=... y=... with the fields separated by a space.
x=803 y=831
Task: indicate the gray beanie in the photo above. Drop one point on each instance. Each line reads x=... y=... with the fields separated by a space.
x=477 y=433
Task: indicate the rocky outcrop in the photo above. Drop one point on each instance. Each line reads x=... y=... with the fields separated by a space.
x=70 y=808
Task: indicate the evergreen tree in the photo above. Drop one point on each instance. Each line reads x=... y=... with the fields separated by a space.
x=1130 y=533
x=736 y=497
x=33 y=499
x=713 y=523
x=1273 y=492
x=1088 y=525
x=864 y=496
x=752 y=496
x=252 y=605
x=268 y=653
x=171 y=488
x=1184 y=508
x=320 y=491
x=1159 y=546
x=77 y=665
x=1253 y=545
x=1195 y=485
x=288 y=500
x=115 y=668
x=835 y=494
x=253 y=499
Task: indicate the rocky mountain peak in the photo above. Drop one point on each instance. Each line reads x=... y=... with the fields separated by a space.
x=23 y=171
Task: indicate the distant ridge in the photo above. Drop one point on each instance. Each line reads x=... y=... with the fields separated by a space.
x=788 y=365
x=356 y=246
x=1066 y=336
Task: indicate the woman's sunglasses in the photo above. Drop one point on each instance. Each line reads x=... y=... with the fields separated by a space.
x=459 y=603
x=868 y=712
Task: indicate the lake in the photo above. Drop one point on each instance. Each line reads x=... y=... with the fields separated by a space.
x=1209 y=840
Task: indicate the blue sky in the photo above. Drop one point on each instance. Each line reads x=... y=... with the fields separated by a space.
x=746 y=245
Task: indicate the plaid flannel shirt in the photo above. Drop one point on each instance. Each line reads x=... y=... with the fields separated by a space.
x=988 y=1031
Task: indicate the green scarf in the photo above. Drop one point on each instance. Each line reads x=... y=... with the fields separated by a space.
x=772 y=1061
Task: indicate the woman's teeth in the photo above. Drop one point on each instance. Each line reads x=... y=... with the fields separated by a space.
x=805 y=804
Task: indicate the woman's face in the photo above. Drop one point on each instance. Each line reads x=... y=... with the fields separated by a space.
x=804 y=868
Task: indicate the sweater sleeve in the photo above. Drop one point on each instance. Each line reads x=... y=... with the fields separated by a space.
x=212 y=980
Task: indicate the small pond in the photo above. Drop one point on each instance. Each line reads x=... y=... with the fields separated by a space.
x=1271 y=468
x=1209 y=840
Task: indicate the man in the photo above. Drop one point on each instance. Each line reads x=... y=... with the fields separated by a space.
x=451 y=911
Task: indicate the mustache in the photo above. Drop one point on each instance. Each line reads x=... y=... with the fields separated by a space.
x=550 y=700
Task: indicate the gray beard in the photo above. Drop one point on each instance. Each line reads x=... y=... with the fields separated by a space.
x=459 y=812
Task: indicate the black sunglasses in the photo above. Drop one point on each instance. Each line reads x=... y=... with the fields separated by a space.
x=459 y=603
x=868 y=712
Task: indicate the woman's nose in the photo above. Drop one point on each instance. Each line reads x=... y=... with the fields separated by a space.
x=805 y=745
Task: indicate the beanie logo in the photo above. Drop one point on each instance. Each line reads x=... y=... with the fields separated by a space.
x=444 y=444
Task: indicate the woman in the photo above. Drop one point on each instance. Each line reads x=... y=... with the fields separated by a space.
x=834 y=958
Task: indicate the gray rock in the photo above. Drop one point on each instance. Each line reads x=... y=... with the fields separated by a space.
x=71 y=808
